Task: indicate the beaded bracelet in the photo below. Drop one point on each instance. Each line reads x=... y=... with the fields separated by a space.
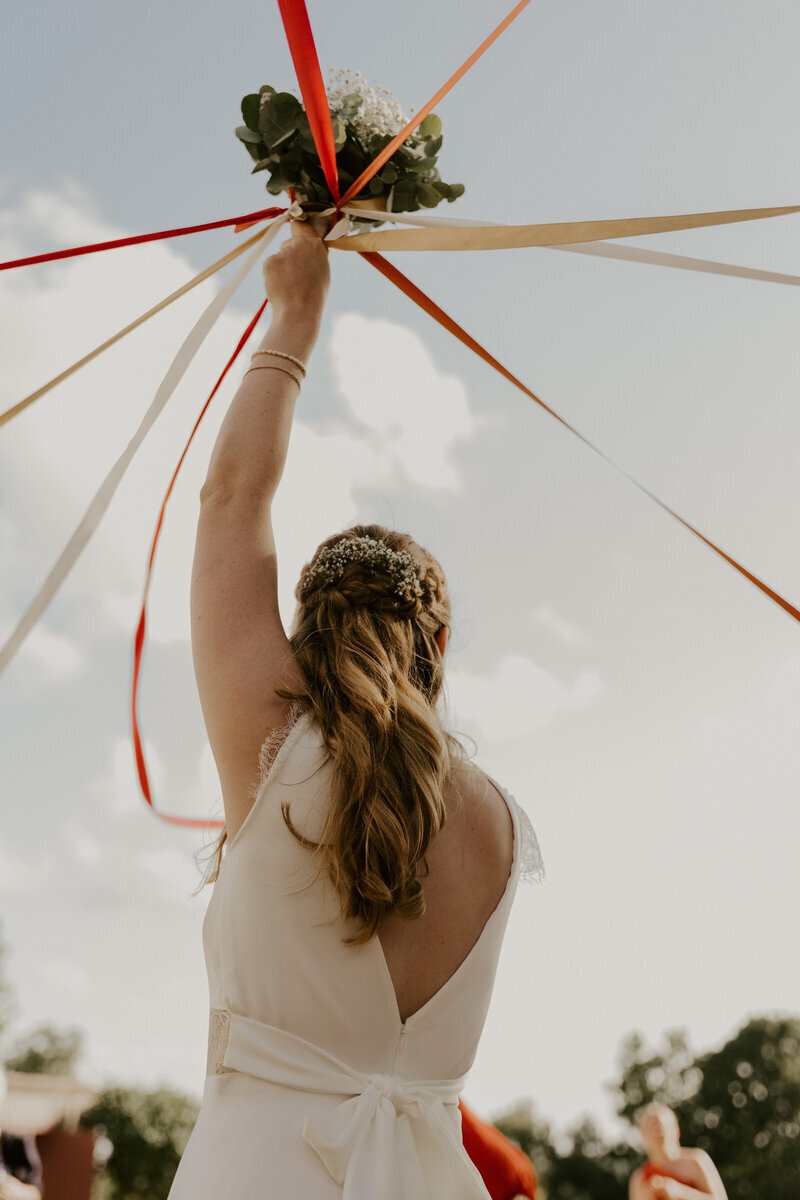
x=281 y=354
x=275 y=367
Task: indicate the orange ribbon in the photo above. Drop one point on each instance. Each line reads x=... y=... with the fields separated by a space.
x=414 y=293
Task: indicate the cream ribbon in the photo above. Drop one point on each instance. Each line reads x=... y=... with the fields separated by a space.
x=187 y=287
x=504 y=237
x=381 y=1141
x=596 y=248
x=658 y=258
x=432 y=233
x=105 y=493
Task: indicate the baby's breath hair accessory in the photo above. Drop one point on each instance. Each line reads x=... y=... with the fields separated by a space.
x=330 y=564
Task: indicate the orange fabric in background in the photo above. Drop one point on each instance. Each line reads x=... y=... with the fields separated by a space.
x=505 y=1169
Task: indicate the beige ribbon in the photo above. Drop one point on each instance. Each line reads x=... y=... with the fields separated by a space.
x=507 y=237
x=598 y=249
x=657 y=258
x=187 y=287
x=105 y=493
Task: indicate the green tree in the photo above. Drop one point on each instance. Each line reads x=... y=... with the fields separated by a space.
x=7 y=1005
x=591 y=1169
x=530 y=1134
x=148 y=1132
x=47 y=1051
x=741 y=1103
x=670 y=1075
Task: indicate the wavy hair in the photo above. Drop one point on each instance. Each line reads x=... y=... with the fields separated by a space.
x=372 y=677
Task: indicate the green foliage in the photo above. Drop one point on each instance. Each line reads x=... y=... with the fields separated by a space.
x=149 y=1132
x=530 y=1134
x=7 y=1003
x=669 y=1076
x=591 y=1169
x=47 y=1051
x=277 y=136
x=741 y=1103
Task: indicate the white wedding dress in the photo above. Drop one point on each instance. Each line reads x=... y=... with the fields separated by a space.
x=316 y=1090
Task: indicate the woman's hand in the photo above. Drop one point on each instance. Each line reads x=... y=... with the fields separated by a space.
x=13 y=1189
x=665 y=1189
x=298 y=276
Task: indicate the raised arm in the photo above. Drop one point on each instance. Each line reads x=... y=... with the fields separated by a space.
x=240 y=649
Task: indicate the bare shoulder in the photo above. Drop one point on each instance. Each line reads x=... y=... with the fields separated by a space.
x=487 y=822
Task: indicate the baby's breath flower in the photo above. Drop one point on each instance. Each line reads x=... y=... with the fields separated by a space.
x=378 y=113
x=330 y=563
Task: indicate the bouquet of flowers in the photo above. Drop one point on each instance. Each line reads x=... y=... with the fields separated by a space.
x=277 y=136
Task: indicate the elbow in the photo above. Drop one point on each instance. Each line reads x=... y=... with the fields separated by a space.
x=231 y=492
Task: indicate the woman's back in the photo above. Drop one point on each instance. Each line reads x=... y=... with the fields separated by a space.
x=344 y=1017
x=338 y=1067
x=469 y=864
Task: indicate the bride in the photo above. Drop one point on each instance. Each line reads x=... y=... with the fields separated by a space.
x=367 y=868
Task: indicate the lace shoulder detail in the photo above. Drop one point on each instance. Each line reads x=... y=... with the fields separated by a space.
x=218 y=1025
x=531 y=862
x=272 y=744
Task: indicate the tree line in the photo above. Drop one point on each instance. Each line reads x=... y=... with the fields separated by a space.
x=740 y=1102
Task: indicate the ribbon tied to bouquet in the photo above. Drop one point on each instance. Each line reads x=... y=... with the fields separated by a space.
x=417 y=232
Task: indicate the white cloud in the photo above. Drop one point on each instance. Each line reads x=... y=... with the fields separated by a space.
x=518 y=697
x=555 y=624
x=18 y=876
x=414 y=413
x=118 y=789
x=85 y=848
x=173 y=871
x=54 y=455
x=57 y=654
x=63 y=974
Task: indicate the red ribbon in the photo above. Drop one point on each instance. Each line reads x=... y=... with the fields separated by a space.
x=312 y=89
x=138 y=647
x=418 y=296
x=304 y=55
x=248 y=219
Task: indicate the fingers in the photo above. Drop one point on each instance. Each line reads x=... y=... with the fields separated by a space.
x=303 y=229
x=308 y=229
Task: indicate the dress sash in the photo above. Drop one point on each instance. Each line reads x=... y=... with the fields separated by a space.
x=387 y=1139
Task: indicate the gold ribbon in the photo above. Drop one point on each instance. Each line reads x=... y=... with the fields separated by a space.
x=657 y=258
x=105 y=493
x=187 y=287
x=561 y=233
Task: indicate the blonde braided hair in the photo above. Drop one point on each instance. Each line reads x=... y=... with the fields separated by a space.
x=370 y=604
x=364 y=639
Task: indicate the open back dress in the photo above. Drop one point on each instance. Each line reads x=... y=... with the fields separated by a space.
x=315 y=1087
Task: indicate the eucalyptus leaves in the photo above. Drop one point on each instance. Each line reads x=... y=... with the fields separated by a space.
x=278 y=137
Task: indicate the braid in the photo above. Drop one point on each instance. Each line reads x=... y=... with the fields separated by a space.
x=371 y=602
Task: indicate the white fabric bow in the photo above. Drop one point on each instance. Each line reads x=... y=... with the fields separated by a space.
x=391 y=1139
x=394 y=1141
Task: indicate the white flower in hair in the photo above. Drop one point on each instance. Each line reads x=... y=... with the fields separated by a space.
x=330 y=564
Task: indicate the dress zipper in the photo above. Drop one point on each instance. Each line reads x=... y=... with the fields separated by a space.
x=399 y=1044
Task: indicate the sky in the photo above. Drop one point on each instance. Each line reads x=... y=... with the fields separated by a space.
x=635 y=694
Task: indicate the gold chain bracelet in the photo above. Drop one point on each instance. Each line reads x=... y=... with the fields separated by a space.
x=282 y=354
x=275 y=367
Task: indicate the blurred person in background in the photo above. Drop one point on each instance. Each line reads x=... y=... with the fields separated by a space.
x=672 y=1172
